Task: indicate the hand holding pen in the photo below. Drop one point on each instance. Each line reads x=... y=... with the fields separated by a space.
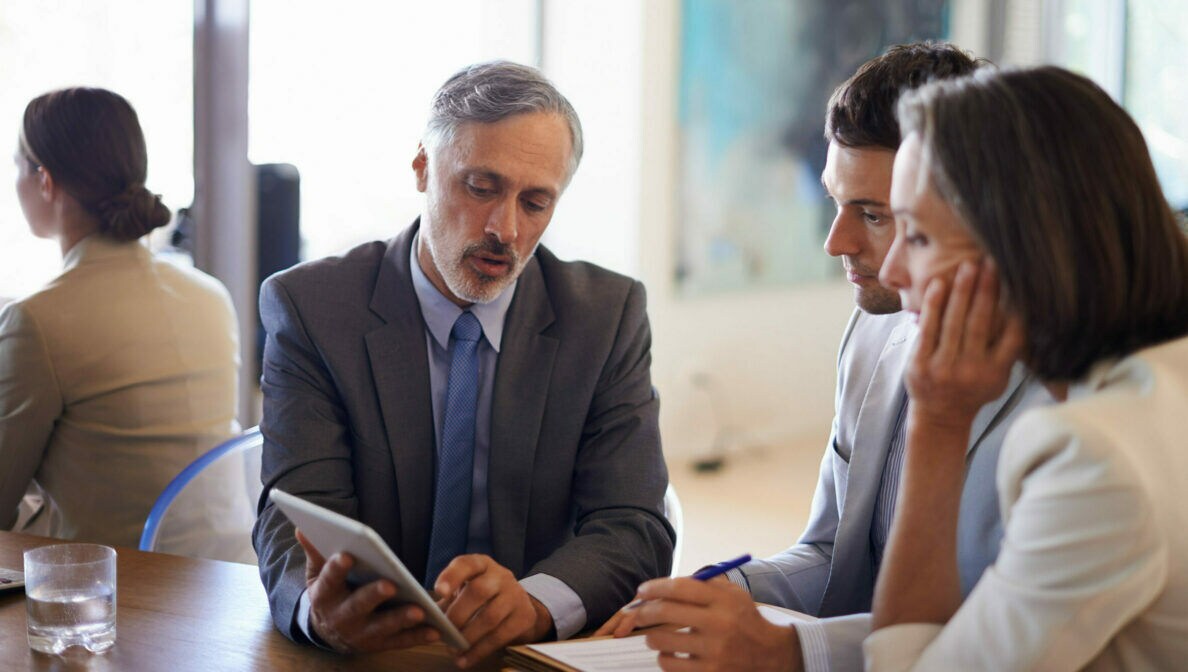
x=703 y=574
x=623 y=620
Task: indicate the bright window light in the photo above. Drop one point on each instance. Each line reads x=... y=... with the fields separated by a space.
x=1156 y=69
x=342 y=92
x=141 y=50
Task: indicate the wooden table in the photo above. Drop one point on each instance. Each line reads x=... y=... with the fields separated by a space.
x=176 y=614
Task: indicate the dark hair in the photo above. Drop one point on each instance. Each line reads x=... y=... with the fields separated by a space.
x=493 y=91
x=861 y=112
x=1054 y=180
x=91 y=143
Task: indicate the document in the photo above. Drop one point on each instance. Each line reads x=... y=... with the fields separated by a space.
x=628 y=654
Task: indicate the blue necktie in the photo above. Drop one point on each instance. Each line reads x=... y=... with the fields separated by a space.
x=455 y=457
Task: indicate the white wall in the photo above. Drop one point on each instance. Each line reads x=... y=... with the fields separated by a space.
x=591 y=51
x=769 y=355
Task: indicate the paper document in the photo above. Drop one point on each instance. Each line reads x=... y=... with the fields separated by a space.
x=631 y=654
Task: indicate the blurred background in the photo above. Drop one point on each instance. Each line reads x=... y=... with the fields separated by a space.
x=287 y=130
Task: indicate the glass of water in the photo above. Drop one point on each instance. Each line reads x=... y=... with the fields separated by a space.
x=70 y=596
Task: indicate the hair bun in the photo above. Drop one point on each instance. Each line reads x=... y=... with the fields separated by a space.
x=132 y=213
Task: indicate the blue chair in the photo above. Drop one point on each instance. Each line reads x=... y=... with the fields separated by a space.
x=246 y=447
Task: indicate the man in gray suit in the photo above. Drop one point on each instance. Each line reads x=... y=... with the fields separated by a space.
x=485 y=407
x=830 y=572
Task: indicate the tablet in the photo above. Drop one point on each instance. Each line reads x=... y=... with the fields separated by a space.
x=332 y=533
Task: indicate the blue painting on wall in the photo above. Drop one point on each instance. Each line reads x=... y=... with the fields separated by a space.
x=754 y=82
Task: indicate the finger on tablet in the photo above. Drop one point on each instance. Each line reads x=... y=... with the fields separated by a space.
x=460 y=570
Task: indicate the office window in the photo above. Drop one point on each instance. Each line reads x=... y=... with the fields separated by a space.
x=1155 y=92
x=342 y=92
x=1138 y=51
x=142 y=50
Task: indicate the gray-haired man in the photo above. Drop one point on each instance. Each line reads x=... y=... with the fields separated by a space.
x=485 y=407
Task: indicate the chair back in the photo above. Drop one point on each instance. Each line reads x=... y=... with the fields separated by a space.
x=676 y=518
x=230 y=470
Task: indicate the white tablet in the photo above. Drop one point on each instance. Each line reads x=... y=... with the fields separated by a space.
x=332 y=533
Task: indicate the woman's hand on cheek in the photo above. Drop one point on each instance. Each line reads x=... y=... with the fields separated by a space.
x=965 y=349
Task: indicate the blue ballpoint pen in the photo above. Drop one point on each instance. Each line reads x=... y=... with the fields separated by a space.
x=704 y=574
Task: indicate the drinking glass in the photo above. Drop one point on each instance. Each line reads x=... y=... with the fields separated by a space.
x=70 y=597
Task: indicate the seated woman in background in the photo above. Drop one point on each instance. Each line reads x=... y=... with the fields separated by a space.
x=122 y=370
x=1035 y=185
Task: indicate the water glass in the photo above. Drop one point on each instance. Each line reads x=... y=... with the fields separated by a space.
x=70 y=597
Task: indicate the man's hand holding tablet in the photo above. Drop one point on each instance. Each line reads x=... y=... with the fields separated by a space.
x=349 y=620
x=482 y=608
x=362 y=598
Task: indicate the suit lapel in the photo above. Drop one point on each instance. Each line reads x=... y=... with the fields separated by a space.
x=872 y=439
x=517 y=408
x=400 y=368
x=994 y=412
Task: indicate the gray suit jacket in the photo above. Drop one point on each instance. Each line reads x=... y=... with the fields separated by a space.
x=830 y=572
x=576 y=475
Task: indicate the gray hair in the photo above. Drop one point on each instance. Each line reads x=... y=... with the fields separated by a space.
x=493 y=91
x=1054 y=180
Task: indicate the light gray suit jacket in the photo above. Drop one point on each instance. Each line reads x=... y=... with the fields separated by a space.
x=830 y=572
x=576 y=476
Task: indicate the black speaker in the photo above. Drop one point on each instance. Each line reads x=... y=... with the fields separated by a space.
x=278 y=228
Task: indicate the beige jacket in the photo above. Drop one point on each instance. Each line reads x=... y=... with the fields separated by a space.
x=113 y=378
x=1093 y=571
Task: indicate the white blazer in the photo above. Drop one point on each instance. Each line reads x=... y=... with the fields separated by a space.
x=1093 y=571
x=113 y=378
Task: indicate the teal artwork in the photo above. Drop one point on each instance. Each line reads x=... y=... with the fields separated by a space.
x=755 y=78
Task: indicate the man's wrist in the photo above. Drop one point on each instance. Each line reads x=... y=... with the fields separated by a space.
x=795 y=655
x=304 y=622
x=566 y=610
x=543 y=629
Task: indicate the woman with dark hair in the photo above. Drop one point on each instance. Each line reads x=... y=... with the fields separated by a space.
x=122 y=370
x=1030 y=225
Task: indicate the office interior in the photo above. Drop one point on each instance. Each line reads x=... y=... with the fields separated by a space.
x=336 y=93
